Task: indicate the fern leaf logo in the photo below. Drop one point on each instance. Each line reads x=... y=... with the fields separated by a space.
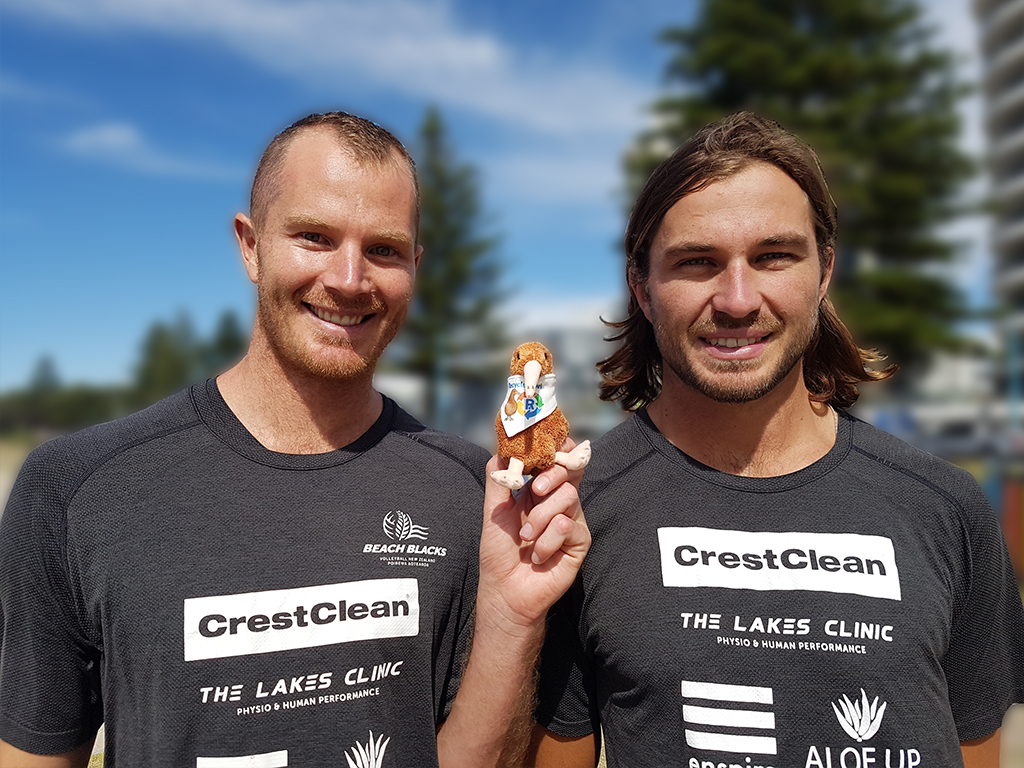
x=398 y=525
x=370 y=756
x=861 y=719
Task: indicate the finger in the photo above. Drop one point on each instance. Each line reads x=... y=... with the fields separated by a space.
x=562 y=535
x=563 y=501
x=552 y=477
x=556 y=474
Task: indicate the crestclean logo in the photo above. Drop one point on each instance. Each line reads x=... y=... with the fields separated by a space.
x=860 y=720
x=847 y=563
x=370 y=756
x=282 y=619
x=399 y=526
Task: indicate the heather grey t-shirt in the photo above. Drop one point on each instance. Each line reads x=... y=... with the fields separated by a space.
x=859 y=612
x=208 y=598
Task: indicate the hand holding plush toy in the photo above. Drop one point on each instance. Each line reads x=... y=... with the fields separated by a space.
x=530 y=427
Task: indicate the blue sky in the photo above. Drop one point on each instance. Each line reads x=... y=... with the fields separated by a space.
x=131 y=129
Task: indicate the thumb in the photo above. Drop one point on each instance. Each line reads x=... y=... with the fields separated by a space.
x=496 y=497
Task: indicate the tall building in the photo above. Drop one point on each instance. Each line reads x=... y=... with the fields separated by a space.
x=1001 y=28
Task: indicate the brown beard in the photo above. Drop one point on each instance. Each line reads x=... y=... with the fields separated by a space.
x=298 y=357
x=717 y=389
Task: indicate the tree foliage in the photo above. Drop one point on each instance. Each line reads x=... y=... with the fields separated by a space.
x=451 y=325
x=172 y=356
x=863 y=82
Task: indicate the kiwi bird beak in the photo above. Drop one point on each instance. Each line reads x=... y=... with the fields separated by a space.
x=531 y=375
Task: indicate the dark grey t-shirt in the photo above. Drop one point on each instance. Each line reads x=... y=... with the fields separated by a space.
x=209 y=598
x=862 y=609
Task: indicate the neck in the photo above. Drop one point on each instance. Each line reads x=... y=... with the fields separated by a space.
x=297 y=412
x=777 y=434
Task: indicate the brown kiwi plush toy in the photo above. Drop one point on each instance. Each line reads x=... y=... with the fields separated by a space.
x=530 y=427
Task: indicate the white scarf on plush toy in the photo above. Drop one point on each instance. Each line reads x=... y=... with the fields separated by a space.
x=529 y=410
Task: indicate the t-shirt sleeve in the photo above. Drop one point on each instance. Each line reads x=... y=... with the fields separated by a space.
x=984 y=664
x=49 y=670
x=566 y=700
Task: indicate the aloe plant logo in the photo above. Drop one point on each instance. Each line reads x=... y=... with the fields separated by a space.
x=370 y=756
x=398 y=525
x=861 y=719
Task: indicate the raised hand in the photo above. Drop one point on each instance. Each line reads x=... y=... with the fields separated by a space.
x=533 y=543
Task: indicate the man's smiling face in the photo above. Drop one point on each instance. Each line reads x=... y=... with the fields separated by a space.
x=334 y=258
x=734 y=284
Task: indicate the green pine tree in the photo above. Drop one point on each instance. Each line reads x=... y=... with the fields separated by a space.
x=227 y=346
x=450 y=327
x=170 y=361
x=863 y=82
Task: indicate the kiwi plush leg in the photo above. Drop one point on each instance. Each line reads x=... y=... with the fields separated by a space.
x=577 y=458
x=511 y=478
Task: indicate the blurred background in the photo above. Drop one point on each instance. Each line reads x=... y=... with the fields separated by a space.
x=131 y=129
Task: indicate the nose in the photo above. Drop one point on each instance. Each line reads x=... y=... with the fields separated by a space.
x=347 y=272
x=737 y=292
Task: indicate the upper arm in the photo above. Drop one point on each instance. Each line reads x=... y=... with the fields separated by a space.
x=984 y=659
x=50 y=699
x=12 y=757
x=549 y=750
x=981 y=753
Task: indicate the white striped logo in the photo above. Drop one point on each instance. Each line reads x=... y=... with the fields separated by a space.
x=721 y=707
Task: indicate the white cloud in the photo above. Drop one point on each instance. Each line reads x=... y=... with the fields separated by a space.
x=412 y=47
x=546 y=177
x=123 y=145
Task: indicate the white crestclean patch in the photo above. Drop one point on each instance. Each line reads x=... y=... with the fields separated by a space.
x=718 y=710
x=370 y=756
x=220 y=626
x=861 y=720
x=767 y=561
x=528 y=410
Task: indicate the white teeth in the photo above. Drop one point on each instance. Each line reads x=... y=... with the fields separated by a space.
x=335 y=319
x=731 y=342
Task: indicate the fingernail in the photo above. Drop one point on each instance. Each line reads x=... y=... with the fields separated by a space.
x=536 y=559
x=526 y=532
x=541 y=484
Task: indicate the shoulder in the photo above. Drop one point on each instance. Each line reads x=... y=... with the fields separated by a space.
x=619 y=451
x=437 y=451
x=65 y=462
x=914 y=467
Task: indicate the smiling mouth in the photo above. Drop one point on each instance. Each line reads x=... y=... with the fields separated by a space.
x=731 y=343
x=337 y=319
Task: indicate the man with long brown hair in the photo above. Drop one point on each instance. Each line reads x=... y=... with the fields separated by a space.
x=772 y=582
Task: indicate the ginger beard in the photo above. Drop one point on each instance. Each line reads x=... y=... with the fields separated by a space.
x=325 y=356
x=733 y=381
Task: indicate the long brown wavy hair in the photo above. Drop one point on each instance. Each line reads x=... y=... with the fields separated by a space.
x=833 y=364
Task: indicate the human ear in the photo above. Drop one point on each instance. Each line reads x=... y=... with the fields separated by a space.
x=642 y=296
x=826 y=274
x=246 y=235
